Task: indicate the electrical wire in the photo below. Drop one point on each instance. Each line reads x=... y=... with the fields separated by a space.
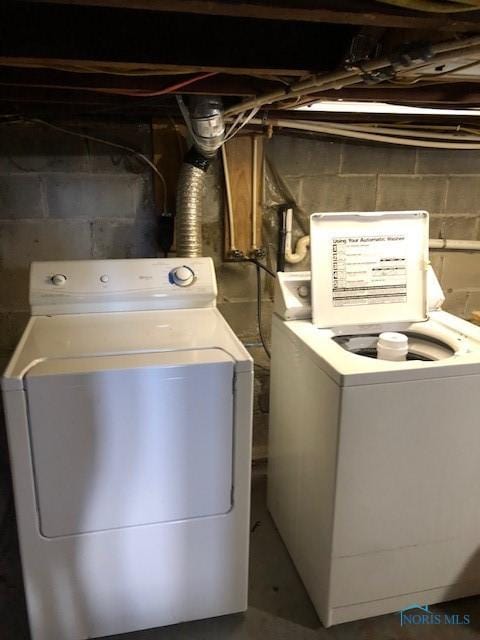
x=86 y=136
x=93 y=69
x=250 y=116
x=134 y=93
x=260 y=265
x=443 y=51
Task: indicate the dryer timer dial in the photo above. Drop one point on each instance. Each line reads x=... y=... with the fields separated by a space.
x=182 y=276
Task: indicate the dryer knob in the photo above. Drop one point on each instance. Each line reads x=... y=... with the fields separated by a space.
x=183 y=276
x=58 y=279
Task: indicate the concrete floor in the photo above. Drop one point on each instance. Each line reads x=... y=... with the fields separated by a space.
x=279 y=606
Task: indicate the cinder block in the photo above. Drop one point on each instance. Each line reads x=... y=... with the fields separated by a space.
x=281 y=191
x=436 y=260
x=463 y=194
x=363 y=159
x=456 y=302
x=296 y=156
x=338 y=193
x=448 y=161
x=461 y=271
x=213 y=202
x=21 y=242
x=242 y=317
x=136 y=239
x=28 y=148
x=396 y=193
x=108 y=159
x=237 y=282
x=92 y=196
x=14 y=289
x=20 y=197
x=473 y=303
x=213 y=241
x=143 y=198
x=453 y=227
x=12 y=325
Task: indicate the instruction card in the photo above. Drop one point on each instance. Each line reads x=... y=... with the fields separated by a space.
x=369 y=270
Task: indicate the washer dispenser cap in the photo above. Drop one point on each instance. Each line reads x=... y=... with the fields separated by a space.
x=392 y=346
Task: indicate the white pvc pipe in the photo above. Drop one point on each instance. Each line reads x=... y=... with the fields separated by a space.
x=455 y=245
x=303 y=244
x=229 y=199
x=333 y=130
x=301 y=248
x=254 y=191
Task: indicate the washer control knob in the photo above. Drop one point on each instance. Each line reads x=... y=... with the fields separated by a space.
x=303 y=291
x=104 y=278
x=182 y=276
x=58 y=279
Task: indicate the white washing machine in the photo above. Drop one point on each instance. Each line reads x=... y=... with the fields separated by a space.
x=374 y=473
x=128 y=404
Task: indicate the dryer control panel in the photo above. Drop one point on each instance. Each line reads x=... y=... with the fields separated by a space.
x=121 y=285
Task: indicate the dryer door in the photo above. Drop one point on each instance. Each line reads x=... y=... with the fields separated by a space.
x=131 y=440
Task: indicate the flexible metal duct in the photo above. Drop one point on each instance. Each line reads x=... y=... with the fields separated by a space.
x=191 y=185
x=206 y=126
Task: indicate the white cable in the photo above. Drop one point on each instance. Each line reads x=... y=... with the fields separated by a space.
x=250 y=116
x=335 y=131
x=229 y=199
x=110 y=144
x=367 y=128
x=236 y=121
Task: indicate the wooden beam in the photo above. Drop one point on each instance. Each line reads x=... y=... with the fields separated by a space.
x=69 y=32
x=239 y=153
x=289 y=13
x=169 y=147
x=142 y=69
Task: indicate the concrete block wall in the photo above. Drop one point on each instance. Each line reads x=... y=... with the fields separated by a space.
x=63 y=197
x=342 y=176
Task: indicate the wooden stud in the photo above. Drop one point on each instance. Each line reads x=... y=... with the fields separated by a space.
x=239 y=152
x=169 y=147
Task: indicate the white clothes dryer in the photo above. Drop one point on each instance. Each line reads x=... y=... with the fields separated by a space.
x=128 y=404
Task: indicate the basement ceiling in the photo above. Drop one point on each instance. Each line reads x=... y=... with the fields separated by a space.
x=129 y=58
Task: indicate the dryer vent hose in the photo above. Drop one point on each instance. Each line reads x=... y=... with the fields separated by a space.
x=190 y=189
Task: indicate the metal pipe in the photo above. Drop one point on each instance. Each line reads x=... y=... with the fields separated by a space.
x=191 y=185
x=207 y=128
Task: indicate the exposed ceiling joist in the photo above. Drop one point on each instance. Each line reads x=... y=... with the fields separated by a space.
x=291 y=11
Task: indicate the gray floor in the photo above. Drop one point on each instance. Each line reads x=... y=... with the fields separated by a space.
x=279 y=606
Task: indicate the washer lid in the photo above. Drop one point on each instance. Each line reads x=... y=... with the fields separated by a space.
x=369 y=268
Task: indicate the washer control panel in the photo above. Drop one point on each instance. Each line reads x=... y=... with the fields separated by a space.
x=292 y=295
x=121 y=285
x=58 y=279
